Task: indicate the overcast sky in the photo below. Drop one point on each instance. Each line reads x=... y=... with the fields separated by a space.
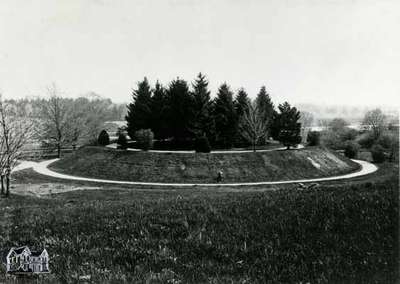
x=330 y=51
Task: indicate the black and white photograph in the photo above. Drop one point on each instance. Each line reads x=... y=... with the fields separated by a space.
x=188 y=141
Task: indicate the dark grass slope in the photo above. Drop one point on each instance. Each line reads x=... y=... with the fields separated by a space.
x=331 y=234
x=113 y=164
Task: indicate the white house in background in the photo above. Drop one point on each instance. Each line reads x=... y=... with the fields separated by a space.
x=22 y=260
x=114 y=127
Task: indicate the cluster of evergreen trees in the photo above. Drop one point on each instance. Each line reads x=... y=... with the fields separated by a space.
x=182 y=113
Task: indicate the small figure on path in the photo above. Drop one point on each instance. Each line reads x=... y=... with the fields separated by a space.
x=220 y=176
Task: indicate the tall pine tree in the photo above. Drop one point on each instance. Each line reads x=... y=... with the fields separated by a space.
x=203 y=120
x=225 y=117
x=266 y=108
x=287 y=121
x=159 y=112
x=242 y=103
x=139 y=110
x=180 y=110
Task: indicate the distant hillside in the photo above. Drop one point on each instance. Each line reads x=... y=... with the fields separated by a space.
x=33 y=107
x=352 y=114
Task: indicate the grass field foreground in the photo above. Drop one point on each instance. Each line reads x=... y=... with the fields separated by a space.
x=333 y=233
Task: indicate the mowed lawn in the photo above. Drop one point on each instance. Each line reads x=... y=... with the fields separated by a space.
x=337 y=232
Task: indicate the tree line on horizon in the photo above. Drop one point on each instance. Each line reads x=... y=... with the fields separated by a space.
x=61 y=122
x=185 y=111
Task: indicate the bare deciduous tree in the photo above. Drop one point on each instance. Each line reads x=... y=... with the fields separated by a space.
x=56 y=123
x=376 y=120
x=306 y=120
x=91 y=112
x=15 y=131
x=67 y=122
x=252 y=125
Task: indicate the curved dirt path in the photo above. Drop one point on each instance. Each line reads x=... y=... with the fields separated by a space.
x=24 y=165
x=42 y=168
x=114 y=146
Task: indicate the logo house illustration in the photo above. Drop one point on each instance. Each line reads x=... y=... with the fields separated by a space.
x=22 y=260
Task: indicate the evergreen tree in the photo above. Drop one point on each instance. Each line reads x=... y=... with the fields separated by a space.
x=180 y=113
x=122 y=142
x=265 y=105
x=287 y=123
x=203 y=120
x=225 y=117
x=104 y=138
x=139 y=111
x=158 y=112
x=274 y=126
x=144 y=139
x=242 y=103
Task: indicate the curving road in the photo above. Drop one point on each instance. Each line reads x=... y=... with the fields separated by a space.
x=42 y=168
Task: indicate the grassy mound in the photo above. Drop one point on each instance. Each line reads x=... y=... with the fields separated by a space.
x=105 y=163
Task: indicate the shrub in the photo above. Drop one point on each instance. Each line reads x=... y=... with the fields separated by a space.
x=202 y=145
x=338 y=124
x=331 y=140
x=175 y=145
x=144 y=139
x=351 y=149
x=392 y=126
x=378 y=154
x=367 y=140
x=122 y=141
x=104 y=138
x=313 y=138
x=386 y=141
x=390 y=142
x=348 y=134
